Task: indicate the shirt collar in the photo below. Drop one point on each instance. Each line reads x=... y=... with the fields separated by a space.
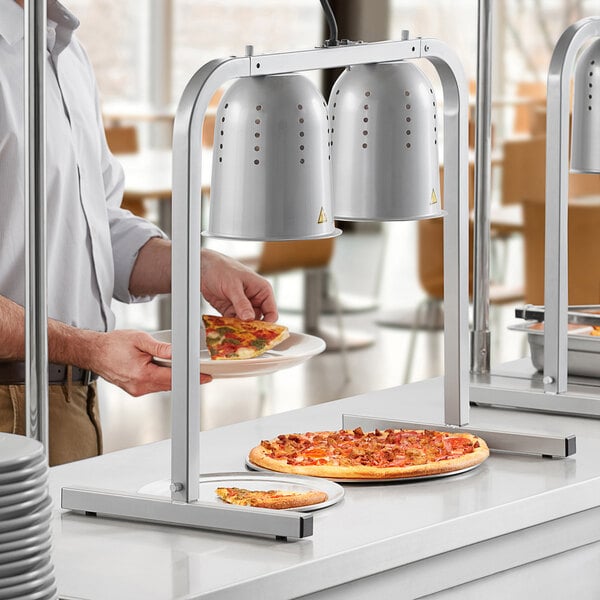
x=11 y=23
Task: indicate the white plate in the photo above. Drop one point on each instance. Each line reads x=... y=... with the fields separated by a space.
x=41 y=515
x=41 y=576
x=254 y=481
x=48 y=592
x=8 y=537
x=22 y=566
x=22 y=509
x=29 y=542
x=33 y=470
x=38 y=550
x=298 y=348
x=7 y=489
x=23 y=591
x=11 y=501
x=254 y=467
x=17 y=451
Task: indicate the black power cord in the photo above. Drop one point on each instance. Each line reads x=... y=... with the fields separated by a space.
x=331 y=22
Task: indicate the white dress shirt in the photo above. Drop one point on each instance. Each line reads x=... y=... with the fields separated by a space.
x=92 y=243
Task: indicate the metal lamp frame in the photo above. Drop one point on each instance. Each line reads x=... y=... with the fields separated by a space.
x=36 y=312
x=552 y=392
x=183 y=508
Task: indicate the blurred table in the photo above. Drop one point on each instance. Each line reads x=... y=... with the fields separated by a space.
x=115 y=113
x=506 y=219
x=148 y=175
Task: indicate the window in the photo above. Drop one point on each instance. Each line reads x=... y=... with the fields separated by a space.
x=115 y=34
x=109 y=31
x=217 y=28
x=453 y=22
x=531 y=32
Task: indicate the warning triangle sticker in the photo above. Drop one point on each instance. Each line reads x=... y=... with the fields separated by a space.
x=322 y=216
x=433 y=197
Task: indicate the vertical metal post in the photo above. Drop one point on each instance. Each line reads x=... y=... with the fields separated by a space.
x=556 y=285
x=456 y=232
x=185 y=312
x=480 y=336
x=499 y=62
x=556 y=278
x=36 y=313
x=185 y=315
x=156 y=59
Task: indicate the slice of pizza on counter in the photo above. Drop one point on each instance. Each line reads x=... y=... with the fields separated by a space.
x=276 y=499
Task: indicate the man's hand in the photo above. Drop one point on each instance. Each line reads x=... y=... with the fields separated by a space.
x=124 y=358
x=234 y=290
x=121 y=357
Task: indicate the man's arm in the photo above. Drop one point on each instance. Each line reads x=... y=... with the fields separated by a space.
x=122 y=357
x=151 y=273
x=229 y=286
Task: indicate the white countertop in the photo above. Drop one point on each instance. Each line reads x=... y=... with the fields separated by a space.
x=377 y=528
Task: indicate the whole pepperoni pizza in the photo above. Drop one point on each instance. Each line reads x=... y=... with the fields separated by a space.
x=354 y=454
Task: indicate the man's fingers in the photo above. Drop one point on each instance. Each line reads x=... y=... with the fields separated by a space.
x=242 y=306
x=269 y=310
x=161 y=376
x=152 y=346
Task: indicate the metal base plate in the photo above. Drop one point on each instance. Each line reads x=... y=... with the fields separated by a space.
x=236 y=519
x=525 y=391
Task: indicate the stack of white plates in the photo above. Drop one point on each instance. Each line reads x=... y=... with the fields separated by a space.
x=26 y=570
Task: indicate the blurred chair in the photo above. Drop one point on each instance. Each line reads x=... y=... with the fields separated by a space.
x=429 y=315
x=532 y=94
x=584 y=248
x=524 y=173
x=122 y=139
x=313 y=258
x=533 y=114
x=277 y=257
x=208 y=125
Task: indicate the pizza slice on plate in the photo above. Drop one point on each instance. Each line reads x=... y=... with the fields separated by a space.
x=229 y=338
x=276 y=499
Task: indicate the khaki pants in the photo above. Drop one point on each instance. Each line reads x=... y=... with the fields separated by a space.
x=74 y=421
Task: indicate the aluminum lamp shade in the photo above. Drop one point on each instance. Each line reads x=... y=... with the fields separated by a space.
x=585 y=137
x=271 y=177
x=384 y=144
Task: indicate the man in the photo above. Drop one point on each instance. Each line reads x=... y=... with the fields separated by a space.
x=96 y=250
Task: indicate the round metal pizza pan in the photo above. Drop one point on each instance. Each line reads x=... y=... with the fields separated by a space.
x=253 y=467
x=254 y=481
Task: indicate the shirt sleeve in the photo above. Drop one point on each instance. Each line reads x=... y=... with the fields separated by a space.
x=128 y=232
